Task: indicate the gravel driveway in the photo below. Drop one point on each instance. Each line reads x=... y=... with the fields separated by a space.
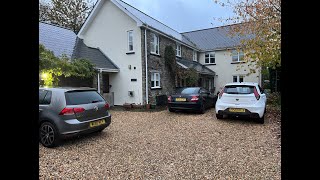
x=163 y=145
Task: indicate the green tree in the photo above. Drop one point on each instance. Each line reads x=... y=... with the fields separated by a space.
x=51 y=67
x=170 y=59
x=66 y=13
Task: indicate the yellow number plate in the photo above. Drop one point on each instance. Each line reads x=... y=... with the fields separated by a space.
x=97 y=123
x=237 y=110
x=180 y=99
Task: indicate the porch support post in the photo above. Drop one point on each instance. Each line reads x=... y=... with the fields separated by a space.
x=99 y=71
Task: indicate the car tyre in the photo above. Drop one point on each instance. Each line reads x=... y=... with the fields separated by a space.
x=261 y=120
x=48 y=135
x=100 y=130
x=219 y=116
x=202 y=109
x=171 y=110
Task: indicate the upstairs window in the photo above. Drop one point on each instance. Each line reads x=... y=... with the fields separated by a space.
x=130 y=41
x=237 y=56
x=154 y=44
x=195 y=55
x=210 y=58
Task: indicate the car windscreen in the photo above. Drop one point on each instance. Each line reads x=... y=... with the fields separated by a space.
x=238 y=89
x=82 y=97
x=188 y=91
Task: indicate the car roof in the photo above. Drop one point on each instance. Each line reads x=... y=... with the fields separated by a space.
x=242 y=83
x=65 y=89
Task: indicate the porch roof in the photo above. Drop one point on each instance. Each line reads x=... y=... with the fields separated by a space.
x=95 y=55
x=186 y=64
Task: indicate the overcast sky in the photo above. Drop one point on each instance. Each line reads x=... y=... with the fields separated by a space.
x=184 y=15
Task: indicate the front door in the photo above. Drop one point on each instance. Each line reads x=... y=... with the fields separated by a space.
x=108 y=96
x=105 y=80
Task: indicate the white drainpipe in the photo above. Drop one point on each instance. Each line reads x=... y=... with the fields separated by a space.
x=146 y=59
x=99 y=71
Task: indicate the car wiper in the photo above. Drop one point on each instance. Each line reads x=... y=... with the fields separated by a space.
x=94 y=101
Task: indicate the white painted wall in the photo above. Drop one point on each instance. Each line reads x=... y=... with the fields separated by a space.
x=108 y=31
x=225 y=70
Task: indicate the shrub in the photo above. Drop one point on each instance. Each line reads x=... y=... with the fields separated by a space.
x=274 y=99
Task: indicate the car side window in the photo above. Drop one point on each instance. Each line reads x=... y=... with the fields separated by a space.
x=47 y=98
x=261 y=90
x=42 y=94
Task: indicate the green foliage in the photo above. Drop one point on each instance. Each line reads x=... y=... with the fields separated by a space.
x=274 y=99
x=191 y=75
x=82 y=68
x=52 y=67
x=170 y=58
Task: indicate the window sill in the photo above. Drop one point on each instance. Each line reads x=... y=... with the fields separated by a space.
x=237 y=62
x=154 y=88
x=178 y=56
x=130 y=53
x=154 y=54
x=209 y=64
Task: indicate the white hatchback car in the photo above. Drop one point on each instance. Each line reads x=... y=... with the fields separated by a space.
x=241 y=99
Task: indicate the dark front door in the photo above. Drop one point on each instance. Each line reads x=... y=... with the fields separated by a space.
x=105 y=80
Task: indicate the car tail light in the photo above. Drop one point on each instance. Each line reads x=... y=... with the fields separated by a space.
x=221 y=93
x=107 y=106
x=169 y=99
x=256 y=94
x=194 y=98
x=71 y=111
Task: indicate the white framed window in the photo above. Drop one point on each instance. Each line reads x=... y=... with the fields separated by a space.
x=195 y=55
x=130 y=41
x=210 y=58
x=155 y=80
x=238 y=78
x=237 y=56
x=154 y=44
x=178 y=50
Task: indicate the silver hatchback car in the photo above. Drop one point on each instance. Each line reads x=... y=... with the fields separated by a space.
x=67 y=112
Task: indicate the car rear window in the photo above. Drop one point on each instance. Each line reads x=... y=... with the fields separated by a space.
x=44 y=96
x=238 y=89
x=42 y=93
x=188 y=91
x=82 y=97
x=47 y=98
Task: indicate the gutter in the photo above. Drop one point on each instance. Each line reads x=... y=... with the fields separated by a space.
x=170 y=37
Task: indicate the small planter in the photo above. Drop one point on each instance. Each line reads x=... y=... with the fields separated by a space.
x=148 y=106
x=137 y=106
x=127 y=106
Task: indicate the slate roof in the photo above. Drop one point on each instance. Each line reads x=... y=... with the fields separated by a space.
x=195 y=65
x=64 y=41
x=146 y=19
x=215 y=38
x=93 y=54
x=57 y=39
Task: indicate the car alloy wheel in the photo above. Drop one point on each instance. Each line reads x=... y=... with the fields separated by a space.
x=47 y=135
